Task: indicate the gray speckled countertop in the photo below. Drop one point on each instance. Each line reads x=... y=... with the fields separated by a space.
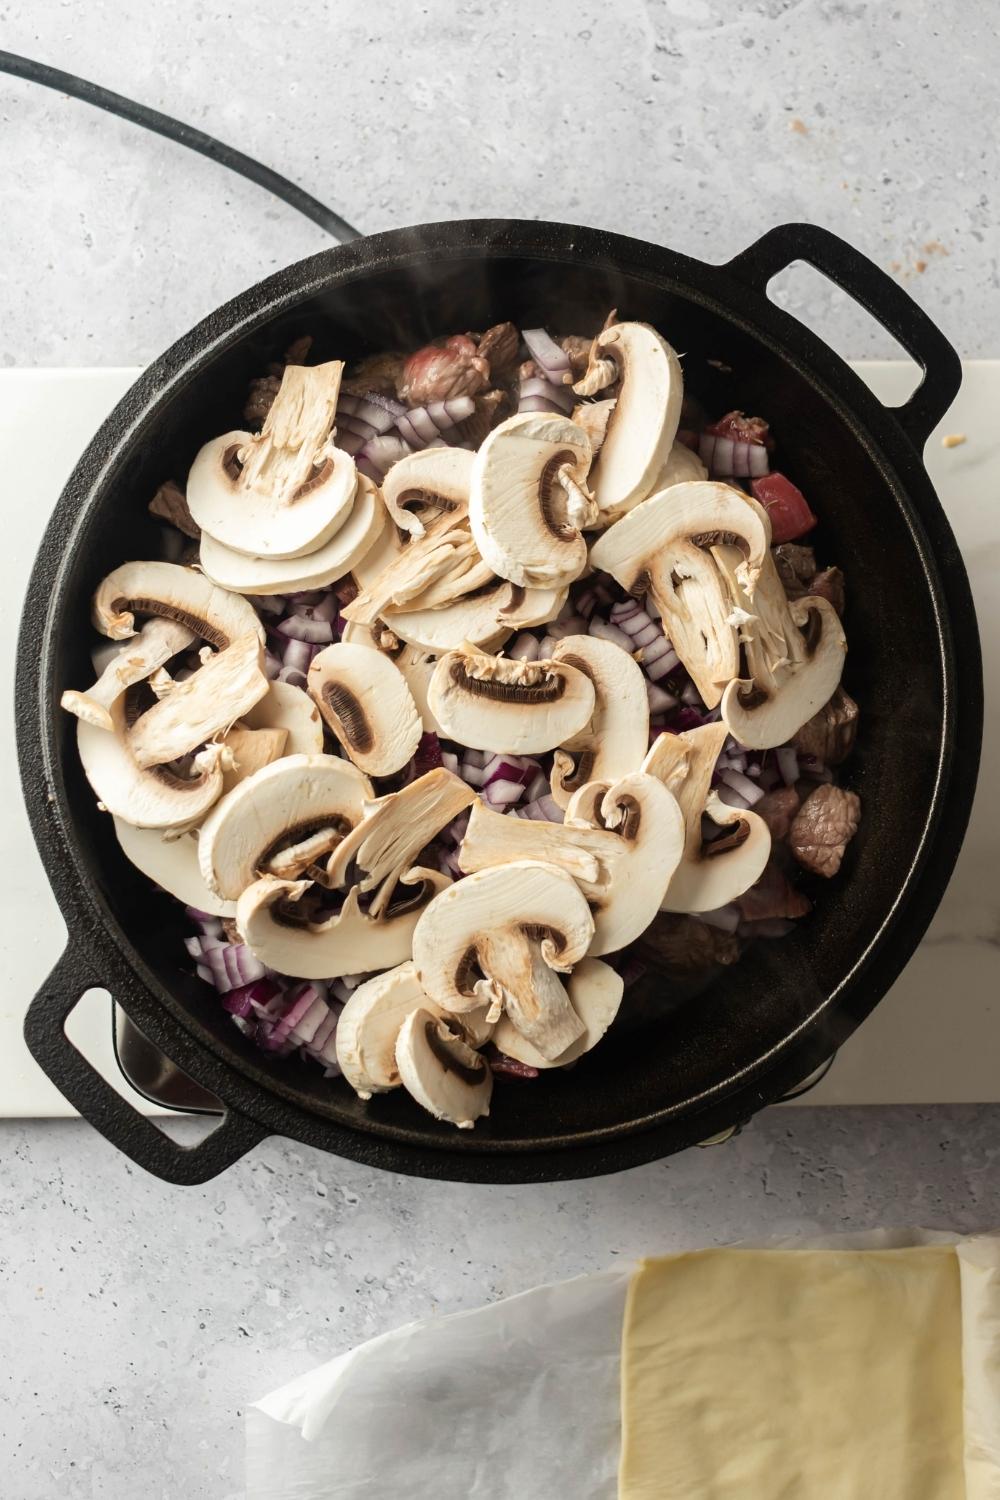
x=138 y=1319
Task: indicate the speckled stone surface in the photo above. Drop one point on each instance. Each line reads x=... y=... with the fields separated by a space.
x=139 y=1319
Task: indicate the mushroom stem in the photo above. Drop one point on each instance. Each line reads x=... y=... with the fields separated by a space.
x=292 y=443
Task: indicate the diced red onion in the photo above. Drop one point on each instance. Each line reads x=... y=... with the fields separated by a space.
x=546 y=352
x=422 y=426
x=471 y=774
x=298 y=655
x=737 y=782
x=271 y=604
x=519 y=768
x=363 y=409
x=450 y=761
x=327 y=608
x=537 y=788
x=546 y=646
x=301 y=627
x=730 y=798
x=728 y=458
x=659 y=699
x=788 y=764
x=542 y=810
x=501 y=793
x=726 y=918
x=205 y=973
x=690 y=695
x=350 y=442
x=607 y=632
x=293 y=676
x=510 y=1067
x=636 y=623
x=539 y=394
x=586 y=603
x=242 y=1000
x=232 y=965
x=382 y=452
x=524 y=647
x=659 y=659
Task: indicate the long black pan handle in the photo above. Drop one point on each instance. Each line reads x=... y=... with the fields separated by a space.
x=879 y=295
x=103 y=1107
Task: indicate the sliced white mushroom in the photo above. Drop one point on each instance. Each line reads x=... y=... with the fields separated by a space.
x=349 y=544
x=157 y=798
x=648 y=821
x=416 y=665
x=364 y=699
x=370 y=1023
x=595 y=992
x=136 y=661
x=392 y=833
x=587 y=853
x=795 y=655
x=172 y=863
x=644 y=422
x=285 y=706
x=710 y=874
x=617 y=736
x=173 y=593
x=529 y=502
x=682 y=465
x=277 y=807
x=442 y=1072
x=249 y=751
x=483 y=618
x=272 y=924
x=205 y=704
x=593 y=417
x=386 y=548
x=502 y=936
x=285 y=491
x=493 y=703
x=663 y=546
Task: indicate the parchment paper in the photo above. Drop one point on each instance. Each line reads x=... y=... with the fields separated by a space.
x=521 y=1398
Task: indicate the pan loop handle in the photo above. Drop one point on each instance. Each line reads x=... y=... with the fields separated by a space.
x=875 y=291
x=103 y=1107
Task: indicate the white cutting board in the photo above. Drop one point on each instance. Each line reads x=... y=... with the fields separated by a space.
x=934 y=1039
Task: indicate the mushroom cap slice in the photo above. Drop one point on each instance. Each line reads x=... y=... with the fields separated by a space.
x=284 y=491
x=493 y=703
x=359 y=533
x=155 y=644
x=500 y=936
x=350 y=942
x=648 y=821
x=795 y=654
x=416 y=665
x=156 y=798
x=423 y=485
x=285 y=706
x=209 y=701
x=663 y=546
x=486 y=617
x=281 y=804
x=682 y=464
x=386 y=548
x=589 y=854
x=370 y=1023
x=617 y=737
x=172 y=863
x=441 y=1071
x=595 y=992
x=528 y=504
x=174 y=593
x=644 y=422
x=365 y=701
x=710 y=874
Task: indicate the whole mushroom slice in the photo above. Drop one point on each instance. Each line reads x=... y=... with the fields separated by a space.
x=493 y=703
x=529 y=503
x=284 y=491
x=416 y=665
x=370 y=1023
x=393 y=831
x=617 y=737
x=595 y=992
x=710 y=874
x=441 y=1071
x=205 y=704
x=350 y=543
x=502 y=937
x=485 y=617
x=171 y=861
x=350 y=942
x=682 y=464
x=589 y=854
x=365 y=701
x=645 y=817
x=287 y=707
x=138 y=659
x=157 y=798
x=172 y=593
x=663 y=547
x=644 y=422
x=795 y=654
x=279 y=806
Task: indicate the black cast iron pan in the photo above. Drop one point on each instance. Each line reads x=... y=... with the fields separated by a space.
x=672 y=1072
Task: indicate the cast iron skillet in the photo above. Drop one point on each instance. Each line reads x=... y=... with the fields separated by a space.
x=673 y=1071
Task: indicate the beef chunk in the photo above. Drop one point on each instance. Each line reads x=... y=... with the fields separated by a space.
x=796 y=567
x=772 y=896
x=824 y=826
x=829 y=584
x=438 y=372
x=491 y=407
x=577 y=347
x=830 y=734
x=170 y=504
x=778 y=809
x=499 y=346
x=379 y=372
x=260 y=398
x=682 y=944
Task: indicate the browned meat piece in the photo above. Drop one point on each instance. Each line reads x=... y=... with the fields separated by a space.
x=510 y=1067
x=298 y=352
x=578 y=349
x=826 y=822
x=260 y=397
x=528 y=370
x=499 y=345
x=681 y=943
x=437 y=372
x=796 y=567
x=169 y=504
x=379 y=372
x=772 y=896
x=778 y=809
x=491 y=407
x=830 y=734
x=829 y=585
